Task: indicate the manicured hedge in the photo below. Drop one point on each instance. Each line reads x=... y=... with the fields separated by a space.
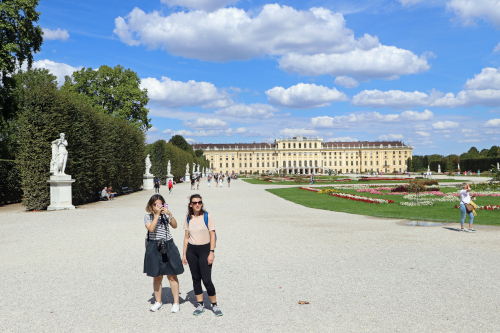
x=468 y=164
x=161 y=152
x=102 y=150
x=10 y=188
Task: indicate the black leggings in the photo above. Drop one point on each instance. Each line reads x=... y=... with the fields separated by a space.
x=196 y=256
x=157 y=189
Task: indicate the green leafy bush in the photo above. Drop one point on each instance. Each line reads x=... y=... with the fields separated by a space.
x=10 y=188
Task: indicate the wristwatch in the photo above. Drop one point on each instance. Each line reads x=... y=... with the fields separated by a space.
x=212 y=251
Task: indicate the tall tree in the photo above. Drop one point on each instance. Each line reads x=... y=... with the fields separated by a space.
x=473 y=152
x=179 y=141
x=116 y=90
x=493 y=152
x=19 y=38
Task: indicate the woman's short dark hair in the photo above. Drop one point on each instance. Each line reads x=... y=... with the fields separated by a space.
x=151 y=202
x=190 y=209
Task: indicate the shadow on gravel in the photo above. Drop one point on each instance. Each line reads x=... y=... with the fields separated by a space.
x=452 y=229
x=167 y=298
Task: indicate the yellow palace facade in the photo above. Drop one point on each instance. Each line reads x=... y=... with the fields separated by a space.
x=304 y=155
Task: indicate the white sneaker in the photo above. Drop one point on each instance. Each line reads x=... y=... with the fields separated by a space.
x=175 y=308
x=157 y=306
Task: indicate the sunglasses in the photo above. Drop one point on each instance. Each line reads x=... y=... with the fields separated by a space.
x=197 y=202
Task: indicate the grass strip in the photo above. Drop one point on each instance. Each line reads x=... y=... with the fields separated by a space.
x=441 y=211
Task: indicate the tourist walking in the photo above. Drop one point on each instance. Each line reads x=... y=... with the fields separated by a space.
x=170 y=185
x=199 y=248
x=198 y=182
x=193 y=179
x=162 y=256
x=228 y=181
x=209 y=177
x=221 y=179
x=216 y=177
x=464 y=201
x=157 y=185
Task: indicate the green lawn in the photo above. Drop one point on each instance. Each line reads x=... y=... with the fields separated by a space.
x=291 y=182
x=441 y=211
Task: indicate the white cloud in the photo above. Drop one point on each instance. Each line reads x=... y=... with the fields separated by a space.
x=369 y=117
x=56 y=68
x=190 y=141
x=204 y=123
x=391 y=98
x=410 y=2
x=153 y=130
x=469 y=140
x=467 y=98
x=185 y=133
x=313 y=42
x=391 y=137
x=304 y=95
x=444 y=125
x=342 y=139
x=470 y=10
x=170 y=93
x=346 y=81
x=492 y=123
x=49 y=34
x=292 y=132
x=239 y=130
x=497 y=48
x=489 y=78
x=206 y=5
x=483 y=89
x=255 y=110
x=380 y=62
x=423 y=133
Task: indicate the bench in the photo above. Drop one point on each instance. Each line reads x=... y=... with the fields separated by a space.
x=126 y=190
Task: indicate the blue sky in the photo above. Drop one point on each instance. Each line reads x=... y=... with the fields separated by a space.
x=424 y=72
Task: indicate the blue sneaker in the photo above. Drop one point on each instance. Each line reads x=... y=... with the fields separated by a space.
x=199 y=310
x=217 y=311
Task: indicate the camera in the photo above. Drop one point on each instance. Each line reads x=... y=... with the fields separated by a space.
x=162 y=245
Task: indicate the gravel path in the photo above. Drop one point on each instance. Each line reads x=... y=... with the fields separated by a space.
x=81 y=270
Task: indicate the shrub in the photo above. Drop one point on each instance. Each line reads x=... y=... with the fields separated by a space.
x=401 y=188
x=10 y=188
x=430 y=182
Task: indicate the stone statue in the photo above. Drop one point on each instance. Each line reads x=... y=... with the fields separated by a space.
x=194 y=167
x=187 y=169
x=198 y=168
x=428 y=168
x=59 y=156
x=169 y=168
x=458 y=167
x=498 y=165
x=148 y=165
x=439 y=168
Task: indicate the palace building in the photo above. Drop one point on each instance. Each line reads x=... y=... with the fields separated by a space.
x=305 y=155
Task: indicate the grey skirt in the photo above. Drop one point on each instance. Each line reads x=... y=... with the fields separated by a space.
x=157 y=263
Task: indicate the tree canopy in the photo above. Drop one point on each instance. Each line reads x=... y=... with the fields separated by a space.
x=179 y=141
x=19 y=37
x=116 y=90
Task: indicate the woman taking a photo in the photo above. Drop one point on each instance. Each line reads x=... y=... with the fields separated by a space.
x=162 y=256
x=465 y=199
x=199 y=248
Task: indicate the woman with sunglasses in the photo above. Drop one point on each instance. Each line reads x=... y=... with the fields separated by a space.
x=199 y=248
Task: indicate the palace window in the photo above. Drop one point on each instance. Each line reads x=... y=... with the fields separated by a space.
x=300 y=145
x=288 y=145
x=250 y=164
x=283 y=146
x=245 y=165
x=227 y=165
x=212 y=166
x=309 y=145
x=232 y=165
x=315 y=145
x=257 y=164
x=221 y=165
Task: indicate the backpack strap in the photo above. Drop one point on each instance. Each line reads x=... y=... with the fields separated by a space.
x=205 y=216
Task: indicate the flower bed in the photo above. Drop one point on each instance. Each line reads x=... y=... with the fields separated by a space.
x=487 y=207
x=383 y=178
x=360 y=198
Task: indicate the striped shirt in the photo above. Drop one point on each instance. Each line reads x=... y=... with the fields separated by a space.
x=160 y=231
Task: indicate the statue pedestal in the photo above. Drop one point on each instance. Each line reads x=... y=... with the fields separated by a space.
x=60 y=192
x=187 y=177
x=148 y=182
